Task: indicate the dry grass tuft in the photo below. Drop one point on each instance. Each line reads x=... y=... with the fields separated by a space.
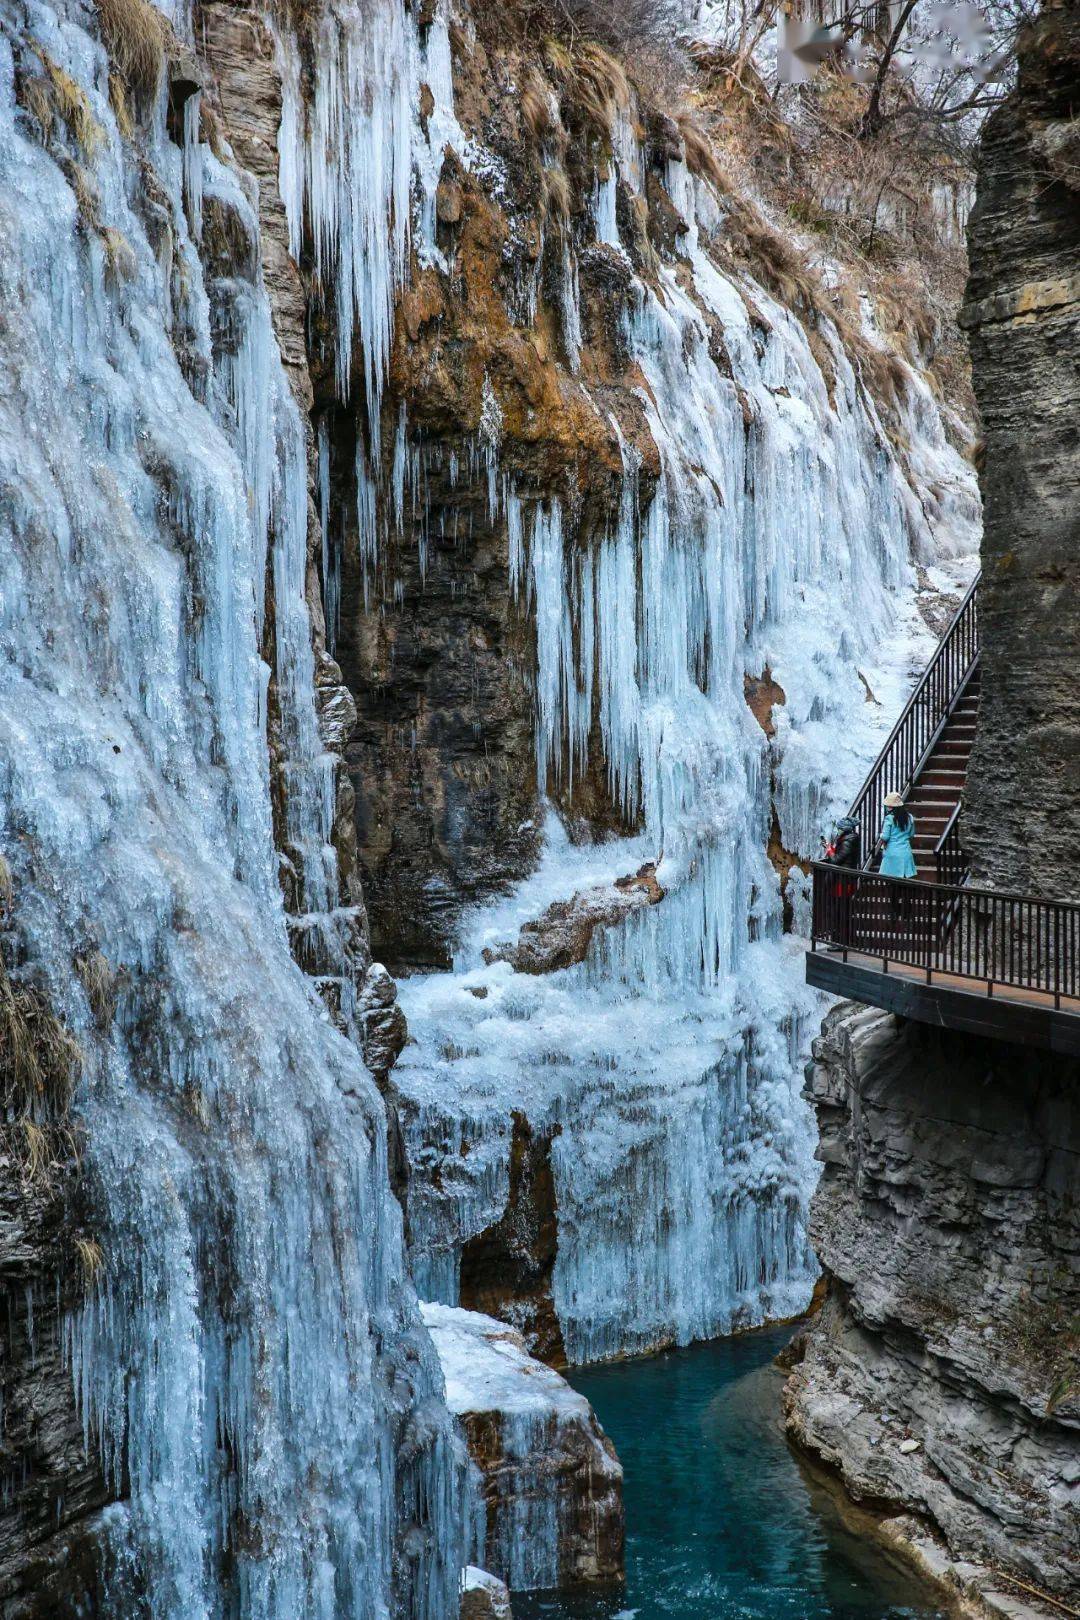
x=118 y=100
x=36 y=1156
x=72 y=105
x=39 y=1059
x=556 y=195
x=701 y=158
x=594 y=85
x=136 y=36
x=777 y=264
x=91 y=1260
x=87 y=197
x=95 y=974
x=35 y=98
x=601 y=88
x=536 y=111
x=120 y=266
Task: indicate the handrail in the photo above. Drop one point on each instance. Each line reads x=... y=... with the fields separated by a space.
x=949 y=825
x=922 y=720
x=950 y=859
x=987 y=936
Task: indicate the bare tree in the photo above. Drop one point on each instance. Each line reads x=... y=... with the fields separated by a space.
x=918 y=59
x=621 y=23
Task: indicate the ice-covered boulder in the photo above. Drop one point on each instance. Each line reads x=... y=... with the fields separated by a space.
x=483 y=1596
x=550 y=1482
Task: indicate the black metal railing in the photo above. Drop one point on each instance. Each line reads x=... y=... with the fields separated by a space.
x=996 y=941
x=950 y=856
x=924 y=717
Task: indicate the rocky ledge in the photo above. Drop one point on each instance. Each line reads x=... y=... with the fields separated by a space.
x=941 y=1375
x=550 y=1484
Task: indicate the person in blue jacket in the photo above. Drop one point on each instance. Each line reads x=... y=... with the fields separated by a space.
x=897 y=855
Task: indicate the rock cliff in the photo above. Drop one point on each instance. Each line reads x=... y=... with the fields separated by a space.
x=942 y=1374
x=179 y=842
x=1022 y=313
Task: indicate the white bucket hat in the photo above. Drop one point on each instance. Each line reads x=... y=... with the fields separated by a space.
x=893 y=801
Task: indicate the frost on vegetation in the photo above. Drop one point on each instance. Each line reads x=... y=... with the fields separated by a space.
x=248 y=1365
x=667 y=1066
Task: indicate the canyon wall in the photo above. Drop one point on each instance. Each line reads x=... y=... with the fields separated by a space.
x=199 y=1240
x=943 y=1373
x=1021 y=819
x=636 y=464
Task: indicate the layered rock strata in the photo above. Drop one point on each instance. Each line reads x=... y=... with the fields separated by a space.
x=1023 y=316
x=942 y=1373
x=550 y=1482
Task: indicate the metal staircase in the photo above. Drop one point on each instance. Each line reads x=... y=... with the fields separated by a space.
x=935 y=947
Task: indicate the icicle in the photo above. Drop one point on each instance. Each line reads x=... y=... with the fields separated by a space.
x=193 y=163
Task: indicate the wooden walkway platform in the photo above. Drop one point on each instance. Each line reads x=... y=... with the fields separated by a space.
x=949 y=1000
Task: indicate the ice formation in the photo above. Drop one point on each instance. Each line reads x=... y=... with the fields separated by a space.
x=354 y=156
x=666 y=1068
x=251 y=1366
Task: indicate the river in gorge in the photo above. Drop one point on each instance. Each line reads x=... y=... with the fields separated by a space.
x=723 y=1521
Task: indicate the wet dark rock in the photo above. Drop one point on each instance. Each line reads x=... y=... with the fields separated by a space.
x=507 y=1270
x=51 y=1487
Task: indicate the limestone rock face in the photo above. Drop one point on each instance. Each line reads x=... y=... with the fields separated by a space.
x=942 y=1372
x=550 y=1482
x=1023 y=316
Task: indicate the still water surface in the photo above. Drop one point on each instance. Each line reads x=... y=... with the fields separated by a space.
x=723 y=1522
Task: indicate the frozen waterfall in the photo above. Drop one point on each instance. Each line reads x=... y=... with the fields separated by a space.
x=665 y=1069
x=251 y=1366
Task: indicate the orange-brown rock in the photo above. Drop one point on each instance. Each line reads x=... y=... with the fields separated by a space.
x=562 y=935
x=762 y=695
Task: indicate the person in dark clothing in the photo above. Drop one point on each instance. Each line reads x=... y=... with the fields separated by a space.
x=844 y=850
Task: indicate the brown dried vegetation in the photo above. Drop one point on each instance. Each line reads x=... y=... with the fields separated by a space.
x=136 y=36
x=53 y=97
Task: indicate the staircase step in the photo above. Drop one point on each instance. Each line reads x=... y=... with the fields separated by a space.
x=930 y=796
x=941 y=776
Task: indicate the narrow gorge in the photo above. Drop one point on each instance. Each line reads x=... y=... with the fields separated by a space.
x=476 y=492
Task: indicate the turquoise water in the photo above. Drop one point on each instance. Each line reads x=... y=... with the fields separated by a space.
x=723 y=1522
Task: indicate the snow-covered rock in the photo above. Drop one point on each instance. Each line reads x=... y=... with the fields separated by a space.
x=483 y=1596
x=551 y=1484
